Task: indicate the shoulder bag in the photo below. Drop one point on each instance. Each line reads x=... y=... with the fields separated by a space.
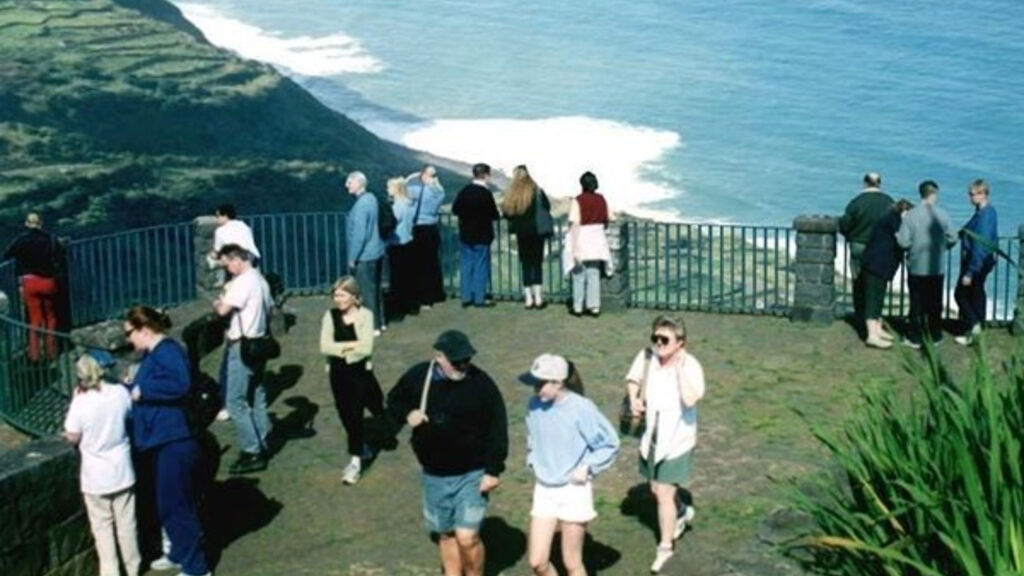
x=542 y=218
x=632 y=424
x=259 y=349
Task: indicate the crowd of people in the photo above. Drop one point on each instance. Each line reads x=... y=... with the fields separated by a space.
x=453 y=407
x=883 y=234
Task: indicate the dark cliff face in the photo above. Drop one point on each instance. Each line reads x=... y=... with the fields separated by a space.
x=118 y=113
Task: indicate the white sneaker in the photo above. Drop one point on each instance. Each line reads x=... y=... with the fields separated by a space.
x=877 y=342
x=376 y=333
x=163 y=563
x=682 y=521
x=223 y=415
x=661 y=556
x=965 y=340
x=184 y=574
x=350 y=475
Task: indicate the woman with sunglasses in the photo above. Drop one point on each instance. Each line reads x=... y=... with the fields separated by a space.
x=161 y=430
x=568 y=442
x=665 y=384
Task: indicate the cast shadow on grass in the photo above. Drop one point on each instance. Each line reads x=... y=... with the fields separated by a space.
x=281 y=379
x=640 y=503
x=597 y=556
x=295 y=425
x=505 y=545
x=231 y=509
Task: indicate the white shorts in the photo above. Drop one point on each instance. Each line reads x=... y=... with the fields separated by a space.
x=569 y=503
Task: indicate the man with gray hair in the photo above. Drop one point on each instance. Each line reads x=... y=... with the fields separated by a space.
x=926 y=233
x=364 y=246
x=855 y=225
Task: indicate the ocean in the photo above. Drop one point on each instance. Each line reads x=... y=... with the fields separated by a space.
x=735 y=111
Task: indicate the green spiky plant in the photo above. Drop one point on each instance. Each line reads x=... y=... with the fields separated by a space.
x=930 y=485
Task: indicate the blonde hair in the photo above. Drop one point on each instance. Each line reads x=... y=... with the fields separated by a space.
x=348 y=284
x=89 y=372
x=397 y=188
x=33 y=220
x=520 y=192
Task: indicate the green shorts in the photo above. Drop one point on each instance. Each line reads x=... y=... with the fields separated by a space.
x=674 y=471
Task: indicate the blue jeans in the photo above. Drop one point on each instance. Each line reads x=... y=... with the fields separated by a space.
x=246 y=400
x=474 y=272
x=367 y=273
x=451 y=502
x=586 y=286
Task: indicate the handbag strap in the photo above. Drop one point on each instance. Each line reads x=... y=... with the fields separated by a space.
x=648 y=358
x=426 y=387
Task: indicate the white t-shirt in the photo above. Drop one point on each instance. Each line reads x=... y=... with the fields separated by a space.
x=249 y=294
x=100 y=417
x=235 y=232
x=677 y=424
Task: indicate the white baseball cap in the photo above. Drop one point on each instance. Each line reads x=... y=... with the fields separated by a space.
x=546 y=368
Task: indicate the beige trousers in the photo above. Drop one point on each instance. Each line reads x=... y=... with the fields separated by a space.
x=108 y=514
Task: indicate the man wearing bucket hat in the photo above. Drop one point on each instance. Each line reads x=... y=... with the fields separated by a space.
x=460 y=437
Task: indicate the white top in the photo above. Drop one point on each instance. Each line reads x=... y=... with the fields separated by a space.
x=676 y=424
x=100 y=417
x=249 y=294
x=235 y=232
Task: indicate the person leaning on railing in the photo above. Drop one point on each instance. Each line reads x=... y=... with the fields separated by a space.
x=587 y=251
x=37 y=255
x=427 y=195
x=979 y=241
x=401 y=257
x=525 y=205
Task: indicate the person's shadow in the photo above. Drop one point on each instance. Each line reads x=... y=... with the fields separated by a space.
x=297 y=424
x=639 y=503
x=281 y=379
x=596 y=556
x=231 y=509
x=505 y=545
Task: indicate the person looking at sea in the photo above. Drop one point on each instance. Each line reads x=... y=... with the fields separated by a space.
x=37 y=255
x=587 y=246
x=477 y=212
x=926 y=234
x=364 y=246
x=529 y=217
x=856 y=225
x=401 y=256
x=879 y=261
x=427 y=195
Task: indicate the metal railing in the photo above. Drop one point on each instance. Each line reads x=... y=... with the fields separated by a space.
x=1000 y=287
x=722 y=268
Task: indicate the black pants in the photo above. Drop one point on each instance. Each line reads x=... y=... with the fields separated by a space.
x=426 y=241
x=531 y=257
x=402 y=262
x=355 y=389
x=925 y=307
x=972 y=299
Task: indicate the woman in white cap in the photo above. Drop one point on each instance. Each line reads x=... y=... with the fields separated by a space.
x=568 y=442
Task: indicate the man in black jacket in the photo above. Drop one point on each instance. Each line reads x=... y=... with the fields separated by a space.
x=477 y=212
x=460 y=437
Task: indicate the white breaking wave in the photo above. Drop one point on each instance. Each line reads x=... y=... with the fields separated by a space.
x=556 y=150
x=306 y=55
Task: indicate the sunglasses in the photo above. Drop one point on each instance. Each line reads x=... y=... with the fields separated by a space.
x=129 y=332
x=660 y=340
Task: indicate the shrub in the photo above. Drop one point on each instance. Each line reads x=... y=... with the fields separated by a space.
x=928 y=485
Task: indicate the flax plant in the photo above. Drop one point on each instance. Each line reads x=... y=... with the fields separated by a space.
x=926 y=485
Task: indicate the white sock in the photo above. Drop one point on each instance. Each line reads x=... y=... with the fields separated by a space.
x=537 y=298
x=357 y=460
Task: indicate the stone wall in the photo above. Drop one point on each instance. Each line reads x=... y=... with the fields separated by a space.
x=814 y=297
x=43 y=527
x=208 y=278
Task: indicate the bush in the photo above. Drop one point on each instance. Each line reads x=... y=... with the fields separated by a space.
x=930 y=485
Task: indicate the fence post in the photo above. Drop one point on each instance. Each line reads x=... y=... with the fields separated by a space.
x=615 y=289
x=1017 y=328
x=814 y=298
x=208 y=279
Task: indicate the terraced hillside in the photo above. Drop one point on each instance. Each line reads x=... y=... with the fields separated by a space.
x=119 y=112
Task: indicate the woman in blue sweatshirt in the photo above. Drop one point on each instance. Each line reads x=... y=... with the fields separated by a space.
x=160 y=389
x=568 y=442
x=977 y=259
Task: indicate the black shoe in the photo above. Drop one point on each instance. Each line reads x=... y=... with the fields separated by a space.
x=248 y=462
x=467 y=304
x=485 y=305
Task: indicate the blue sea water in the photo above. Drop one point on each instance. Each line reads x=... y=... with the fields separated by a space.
x=715 y=110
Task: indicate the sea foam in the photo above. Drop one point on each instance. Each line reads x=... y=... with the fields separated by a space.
x=306 y=55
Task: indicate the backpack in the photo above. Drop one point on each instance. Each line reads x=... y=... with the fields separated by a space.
x=200 y=404
x=386 y=221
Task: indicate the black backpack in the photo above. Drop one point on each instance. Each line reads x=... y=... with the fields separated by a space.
x=386 y=221
x=200 y=404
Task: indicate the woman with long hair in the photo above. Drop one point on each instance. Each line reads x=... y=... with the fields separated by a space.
x=401 y=260
x=523 y=199
x=346 y=338
x=587 y=246
x=160 y=390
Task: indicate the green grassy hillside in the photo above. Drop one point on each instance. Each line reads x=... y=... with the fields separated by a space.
x=117 y=113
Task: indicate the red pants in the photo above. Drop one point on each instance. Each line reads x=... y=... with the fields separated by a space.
x=40 y=296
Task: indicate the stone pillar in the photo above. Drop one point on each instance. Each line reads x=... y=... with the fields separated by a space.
x=1017 y=328
x=615 y=289
x=208 y=278
x=815 y=296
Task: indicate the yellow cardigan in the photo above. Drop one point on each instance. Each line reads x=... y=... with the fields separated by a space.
x=351 y=350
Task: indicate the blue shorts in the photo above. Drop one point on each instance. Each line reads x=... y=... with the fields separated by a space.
x=451 y=502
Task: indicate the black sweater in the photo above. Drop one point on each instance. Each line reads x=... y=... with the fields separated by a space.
x=466 y=427
x=34 y=252
x=477 y=212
